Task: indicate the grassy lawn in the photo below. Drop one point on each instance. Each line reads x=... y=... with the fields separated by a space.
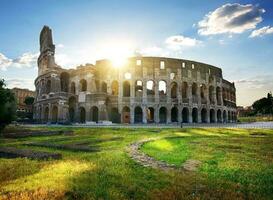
x=236 y=164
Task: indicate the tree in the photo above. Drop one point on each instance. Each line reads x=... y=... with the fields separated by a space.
x=264 y=105
x=7 y=105
x=29 y=100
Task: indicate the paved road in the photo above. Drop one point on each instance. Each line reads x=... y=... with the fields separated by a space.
x=264 y=125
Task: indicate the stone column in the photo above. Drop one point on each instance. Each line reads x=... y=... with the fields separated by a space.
x=190 y=115
x=169 y=120
x=156 y=115
x=144 y=92
x=132 y=115
x=179 y=114
x=189 y=92
x=199 y=115
x=156 y=92
x=144 y=115
x=49 y=112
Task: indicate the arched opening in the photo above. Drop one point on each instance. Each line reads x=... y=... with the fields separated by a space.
x=204 y=115
x=185 y=115
x=94 y=114
x=73 y=88
x=104 y=87
x=54 y=114
x=126 y=89
x=174 y=114
x=225 y=116
x=162 y=88
x=184 y=90
x=83 y=85
x=150 y=115
x=218 y=95
x=64 y=78
x=219 y=116
x=150 y=86
x=173 y=90
x=195 y=115
x=162 y=115
x=138 y=88
x=115 y=116
x=114 y=88
x=82 y=115
x=211 y=94
x=212 y=116
x=72 y=107
x=229 y=117
x=48 y=86
x=46 y=114
x=194 y=89
x=138 y=114
x=126 y=115
x=203 y=94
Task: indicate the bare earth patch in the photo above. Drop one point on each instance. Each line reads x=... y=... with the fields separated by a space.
x=12 y=152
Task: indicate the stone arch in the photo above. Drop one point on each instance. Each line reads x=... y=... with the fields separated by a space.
x=185 y=115
x=71 y=108
x=195 y=115
x=173 y=90
x=218 y=95
x=73 y=88
x=83 y=85
x=46 y=114
x=203 y=90
x=54 y=114
x=150 y=115
x=224 y=116
x=115 y=116
x=48 y=86
x=126 y=89
x=194 y=89
x=229 y=116
x=82 y=115
x=212 y=116
x=104 y=87
x=174 y=114
x=114 y=88
x=138 y=88
x=94 y=114
x=126 y=115
x=138 y=114
x=204 y=115
x=163 y=115
x=211 y=94
x=162 y=88
x=184 y=90
x=150 y=87
x=64 y=78
x=219 y=116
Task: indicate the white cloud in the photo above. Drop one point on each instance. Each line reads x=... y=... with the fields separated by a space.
x=178 y=41
x=154 y=51
x=20 y=83
x=262 y=31
x=60 y=46
x=230 y=18
x=4 y=62
x=25 y=60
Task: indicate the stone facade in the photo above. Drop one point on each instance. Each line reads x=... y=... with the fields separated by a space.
x=145 y=90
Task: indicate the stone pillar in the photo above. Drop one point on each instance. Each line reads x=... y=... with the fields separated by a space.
x=144 y=115
x=132 y=115
x=169 y=120
x=199 y=116
x=156 y=115
x=190 y=115
x=144 y=92
x=198 y=94
x=103 y=113
x=156 y=93
x=50 y=112
x=189 y=92
x=179 y=114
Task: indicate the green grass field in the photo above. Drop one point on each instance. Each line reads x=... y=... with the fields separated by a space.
x=236 y=164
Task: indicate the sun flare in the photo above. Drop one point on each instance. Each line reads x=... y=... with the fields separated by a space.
x=117 y=51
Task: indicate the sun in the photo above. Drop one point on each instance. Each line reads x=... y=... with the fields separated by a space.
x=117 y=51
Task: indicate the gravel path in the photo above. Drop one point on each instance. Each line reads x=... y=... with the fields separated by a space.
x=147 y=161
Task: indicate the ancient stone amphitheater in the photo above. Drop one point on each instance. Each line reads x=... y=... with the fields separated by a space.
x=144 y=90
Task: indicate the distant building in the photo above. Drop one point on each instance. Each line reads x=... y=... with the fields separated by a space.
x=20 y=95
x=244 y=111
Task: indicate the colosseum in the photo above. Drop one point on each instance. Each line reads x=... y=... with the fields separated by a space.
x=144 y=90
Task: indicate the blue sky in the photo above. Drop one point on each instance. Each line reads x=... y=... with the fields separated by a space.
x=234 y=35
